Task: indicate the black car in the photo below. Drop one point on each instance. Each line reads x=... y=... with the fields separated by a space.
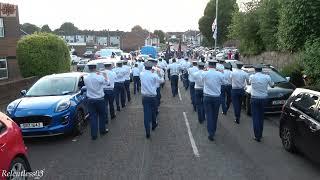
x=277 y=96
x=88 y=54
x=300 y=123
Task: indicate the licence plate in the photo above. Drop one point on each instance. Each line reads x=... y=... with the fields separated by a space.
x=31 y=125
x=278 y=102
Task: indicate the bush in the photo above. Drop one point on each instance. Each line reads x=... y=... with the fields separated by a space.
x=41 y=54
x=311 y=61
x=295 y=72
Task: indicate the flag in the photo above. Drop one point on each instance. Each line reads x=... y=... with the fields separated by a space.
x=214 y=29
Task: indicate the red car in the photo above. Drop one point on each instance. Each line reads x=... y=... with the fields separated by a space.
x=13 y=152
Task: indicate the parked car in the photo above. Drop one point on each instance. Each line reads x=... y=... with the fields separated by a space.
x=277 y=96
x=82 y=64
x=88 y=54
x=300 y=123
x=52 y=106
x=13 y=152
x=75 y=59
x=233 y=63
x=111 y=53
x=97 y=55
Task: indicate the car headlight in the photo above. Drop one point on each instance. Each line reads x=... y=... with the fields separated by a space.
x=63 y=105
x=12 y=106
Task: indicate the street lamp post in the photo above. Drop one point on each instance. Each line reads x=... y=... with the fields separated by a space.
x=215 y=41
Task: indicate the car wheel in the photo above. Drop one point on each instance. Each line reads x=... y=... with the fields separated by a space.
x=18 y=166
x=80 y=123
x=248 y=106
x=287 y=139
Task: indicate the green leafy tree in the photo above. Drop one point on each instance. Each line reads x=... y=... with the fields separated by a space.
x=46 y=28
x=311 y=60
x=41 y=54
x=245 y=28
x=68 y=28
x=225 y=11
x=268 y=13
x=160 y=34
x=30 y=28
x=299 y=21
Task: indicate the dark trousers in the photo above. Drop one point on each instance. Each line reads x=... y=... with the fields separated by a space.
x=169 y=76
x=109 y=98
x=237 y=95
x=211 y=106
x=97 y=112
x=158 y=96
x=199 y=104
x=192 y=94
x=185 y=80
x=174 y=85
x=127 y=88
x=120 y=93
x=257 y=110
x=136 y=84
x=149 y=112
x=225 y=97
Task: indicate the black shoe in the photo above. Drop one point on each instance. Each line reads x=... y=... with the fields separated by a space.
x=118 y=109
x=148 y=136
x=201 y=122
x=224 y=113
x=210 y=138
x=94 y=138
x=154 y=127
x=113 y=116
x=123 y=106
x=237 y=121
x=257 y=139
x=105 y=132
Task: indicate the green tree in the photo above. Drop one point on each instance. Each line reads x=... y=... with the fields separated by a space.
x=46 y=28
x=161 y=35
x=268 y=13
x=68 y=28
x=30 y=28
x=225 y=11
x=41 y=54
x=245 y=28
x=311 y=60
x=299 y=21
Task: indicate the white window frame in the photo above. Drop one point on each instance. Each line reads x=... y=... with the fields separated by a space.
x=1 y=28
x=5 y=60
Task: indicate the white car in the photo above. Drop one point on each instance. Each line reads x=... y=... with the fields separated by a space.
x=75 y=59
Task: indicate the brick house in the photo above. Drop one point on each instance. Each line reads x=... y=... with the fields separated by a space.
x=9 y=36
x=132 y=41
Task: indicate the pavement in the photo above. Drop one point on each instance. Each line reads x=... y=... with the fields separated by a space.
x=178 y=149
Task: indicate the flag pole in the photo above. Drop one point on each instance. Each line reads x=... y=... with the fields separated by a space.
x=215 y=41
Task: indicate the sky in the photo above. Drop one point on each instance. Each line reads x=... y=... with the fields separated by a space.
x=167 y=15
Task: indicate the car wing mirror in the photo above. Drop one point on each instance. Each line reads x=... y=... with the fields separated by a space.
x=288 y=79
x=83 y=90
x=23 y=92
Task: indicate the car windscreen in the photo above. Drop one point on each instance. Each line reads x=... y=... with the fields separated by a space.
x=275 y=77
x=53 y=86
x=99 y=66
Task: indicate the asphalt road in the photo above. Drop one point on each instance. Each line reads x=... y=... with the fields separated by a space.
x=173 y=152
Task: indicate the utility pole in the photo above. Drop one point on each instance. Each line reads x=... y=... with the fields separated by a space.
x=215 y=41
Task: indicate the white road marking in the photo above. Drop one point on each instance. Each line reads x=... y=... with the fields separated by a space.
x=193 y=143
x=179 y=94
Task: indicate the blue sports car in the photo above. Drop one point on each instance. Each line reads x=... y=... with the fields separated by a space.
x=53 y=105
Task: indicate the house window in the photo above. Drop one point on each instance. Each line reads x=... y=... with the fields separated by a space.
x=1 y=28
x=3 y=69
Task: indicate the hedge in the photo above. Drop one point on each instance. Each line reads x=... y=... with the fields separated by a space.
x=42 y=54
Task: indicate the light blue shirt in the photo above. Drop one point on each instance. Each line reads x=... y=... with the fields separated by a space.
x=136 y=71
x=220 y=67
x=212 y=81
x=163 y=64
x=191 y=72
x=94 y=84
x=111 y=79
x=259 y=84
x=128 y=72
x=198 y=79
x=239 y=78
x=174 y=69
x=120 y=74
x=149 y=82
x=141 y=66
x=227 y=77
